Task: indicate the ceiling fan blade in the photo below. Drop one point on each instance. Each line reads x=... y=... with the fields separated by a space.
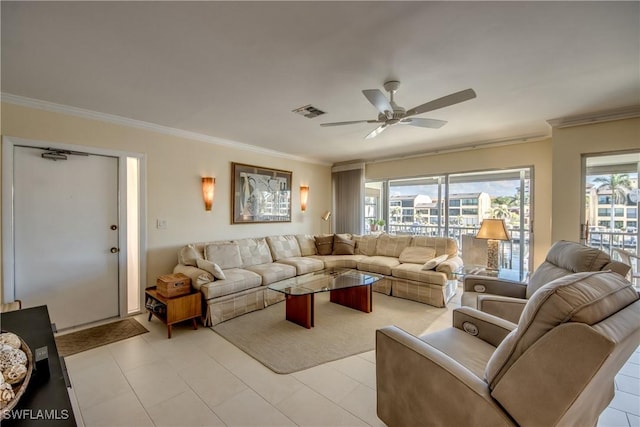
x=445 y=101
x=347 y=123
x=423 y=123
x=377 y=98
x=377 y=131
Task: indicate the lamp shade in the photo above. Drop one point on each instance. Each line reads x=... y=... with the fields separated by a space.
x=494 y=229
x=304 y=195
x=325 y=216
x=208 y=187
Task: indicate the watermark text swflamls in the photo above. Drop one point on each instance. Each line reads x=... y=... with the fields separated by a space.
x=36 y=414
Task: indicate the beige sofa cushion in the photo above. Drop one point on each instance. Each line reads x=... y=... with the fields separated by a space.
x=189 y=255
x=254 y=251
x=273 y=272
x=365 y=245
x=339 y=261
x=283 y=247
x=391 y=246
x=378 y=264
x=304 y=265
x=414 y=272
x=226 y=255
x=416 y=254
x=307 y=244
x=587 y=297
x=442 y=245
x=237 y=280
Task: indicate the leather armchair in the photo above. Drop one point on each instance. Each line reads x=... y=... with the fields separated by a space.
x=506 y=299
x=556 y=367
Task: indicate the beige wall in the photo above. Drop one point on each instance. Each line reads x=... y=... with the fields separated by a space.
x=175 y=165
x=536 y=154
x=568 y=146
x=174 y=168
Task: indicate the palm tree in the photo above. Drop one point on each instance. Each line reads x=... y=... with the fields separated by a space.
x=619 y=185
x=500 y=212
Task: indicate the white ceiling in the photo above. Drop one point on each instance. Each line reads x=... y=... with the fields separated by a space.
x=235 y=70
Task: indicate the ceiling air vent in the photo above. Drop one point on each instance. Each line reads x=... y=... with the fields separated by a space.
x=309 y=111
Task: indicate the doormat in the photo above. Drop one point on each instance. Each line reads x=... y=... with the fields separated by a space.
x=86 y=339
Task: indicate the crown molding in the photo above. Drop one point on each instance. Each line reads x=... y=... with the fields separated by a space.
x=466 y=147
x=139 y=124
x=599 y=117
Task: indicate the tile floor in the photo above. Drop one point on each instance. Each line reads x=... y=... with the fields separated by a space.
x=197 y=378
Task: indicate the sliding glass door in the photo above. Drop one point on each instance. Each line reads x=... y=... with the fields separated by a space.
x=454 y=205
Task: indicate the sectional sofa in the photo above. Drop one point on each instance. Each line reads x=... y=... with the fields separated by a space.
x=233 y=275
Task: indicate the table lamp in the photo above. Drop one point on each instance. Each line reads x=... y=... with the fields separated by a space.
x=493 y=230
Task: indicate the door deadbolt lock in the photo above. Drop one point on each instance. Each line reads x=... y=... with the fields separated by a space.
x=115 y=250
x=114 y=227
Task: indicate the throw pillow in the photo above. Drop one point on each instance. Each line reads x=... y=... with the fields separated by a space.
x=204 y=278
x=188 y=255
x=307 y=244
x=324 y=244
x=433 y=263
x=211 y=267
x=343 y=246
x=416 y=255
x=226 y=255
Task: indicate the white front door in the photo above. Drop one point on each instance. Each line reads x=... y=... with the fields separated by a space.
x=66 y=235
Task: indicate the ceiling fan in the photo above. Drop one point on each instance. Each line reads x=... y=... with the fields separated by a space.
x=392 y=114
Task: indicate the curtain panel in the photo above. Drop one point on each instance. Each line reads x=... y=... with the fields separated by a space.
x=348 y=198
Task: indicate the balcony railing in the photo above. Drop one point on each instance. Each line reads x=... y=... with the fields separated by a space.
x=606 y=241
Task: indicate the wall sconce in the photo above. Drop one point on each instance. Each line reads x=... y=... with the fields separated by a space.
x=493 y=230
x=304 y=195
x=208 y=187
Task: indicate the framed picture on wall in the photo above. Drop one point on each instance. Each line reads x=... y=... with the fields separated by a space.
x=259 y=194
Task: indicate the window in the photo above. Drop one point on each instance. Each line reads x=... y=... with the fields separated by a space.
x=455 y=204
x=610 y=207
x=604 y=200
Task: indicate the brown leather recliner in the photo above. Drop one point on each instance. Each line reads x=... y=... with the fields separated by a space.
x=556 y=367
x=506 y=299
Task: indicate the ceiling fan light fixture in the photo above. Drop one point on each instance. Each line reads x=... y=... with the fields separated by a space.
x=390 y=113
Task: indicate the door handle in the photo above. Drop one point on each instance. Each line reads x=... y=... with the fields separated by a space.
x=115 y=250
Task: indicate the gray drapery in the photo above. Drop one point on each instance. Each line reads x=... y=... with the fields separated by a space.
x=348 y=198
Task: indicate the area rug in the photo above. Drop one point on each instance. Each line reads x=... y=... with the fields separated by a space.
x=86 y=339
x=339 y=332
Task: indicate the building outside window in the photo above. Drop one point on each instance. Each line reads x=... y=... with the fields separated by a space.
x=455 y=205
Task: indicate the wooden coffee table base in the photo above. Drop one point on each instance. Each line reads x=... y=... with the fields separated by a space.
x=300 y=308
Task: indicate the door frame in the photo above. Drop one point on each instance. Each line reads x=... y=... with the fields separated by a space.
x=8 y=230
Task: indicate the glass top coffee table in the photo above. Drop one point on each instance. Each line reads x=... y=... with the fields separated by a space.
x=350 y=288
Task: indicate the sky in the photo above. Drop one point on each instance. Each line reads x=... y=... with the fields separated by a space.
x=494 y=188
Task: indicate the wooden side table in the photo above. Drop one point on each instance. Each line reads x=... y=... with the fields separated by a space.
x=177 y=309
